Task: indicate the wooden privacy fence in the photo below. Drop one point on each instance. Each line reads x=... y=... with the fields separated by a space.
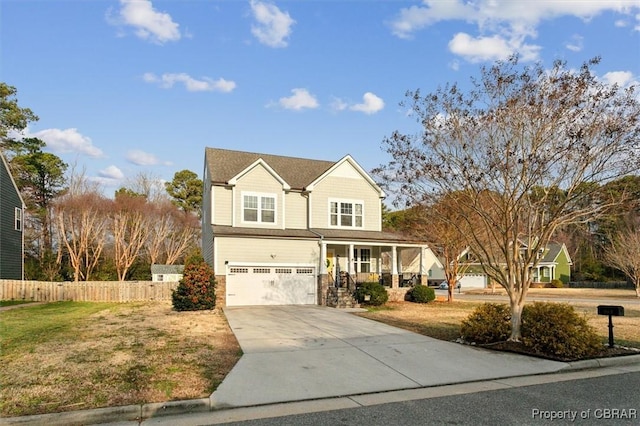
x=86 y=291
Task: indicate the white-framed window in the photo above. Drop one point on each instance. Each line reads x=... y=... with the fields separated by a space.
x=363 y=259
x=18 y=219
x=346 y=214
x=258 y=208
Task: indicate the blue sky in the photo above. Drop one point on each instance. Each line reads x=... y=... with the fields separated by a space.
x=124 y=87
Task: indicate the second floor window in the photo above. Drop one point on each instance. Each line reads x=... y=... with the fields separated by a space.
x=346 y=214
x=18 y=221
x=259 y=208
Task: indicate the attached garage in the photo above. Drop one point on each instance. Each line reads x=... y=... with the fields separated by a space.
x=271 y=285
x=473 y=281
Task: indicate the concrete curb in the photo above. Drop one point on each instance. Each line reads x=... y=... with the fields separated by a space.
x=615 y=361
x=132 y=413
x=138 y=413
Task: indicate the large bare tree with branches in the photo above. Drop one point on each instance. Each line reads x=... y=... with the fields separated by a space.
x=81 y=223
x=129 y=229
x=528 y=149
x=624 y=255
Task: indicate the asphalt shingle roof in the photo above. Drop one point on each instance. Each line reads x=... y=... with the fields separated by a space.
x=224 y=164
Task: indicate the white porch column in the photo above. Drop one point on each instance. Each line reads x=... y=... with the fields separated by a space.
x=352 y=260
x=323 y=258
x=394 y=260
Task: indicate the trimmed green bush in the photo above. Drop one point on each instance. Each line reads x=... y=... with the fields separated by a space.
x=488 y=323
x=421 y=294
x=197 y=289
x=557 y=329
x=372 y=293
x=549 y=329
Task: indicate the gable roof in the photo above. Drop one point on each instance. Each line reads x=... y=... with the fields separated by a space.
x=225 y=164
x=553 y=251
x=167 y=269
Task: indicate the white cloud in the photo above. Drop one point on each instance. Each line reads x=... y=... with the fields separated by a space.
x=478 y=49
x=621 y=78
x=501 y=21
x=111 y=172
x=141 y=158
x=68 y=140
x=338 y=104
x=370 y=104
x=273 y=27
x=149 y=24
x=205 y=84
x=300 y=99
x=575 y=44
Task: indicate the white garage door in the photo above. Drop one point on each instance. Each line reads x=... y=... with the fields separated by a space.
x=473 y=281
x=270 y=285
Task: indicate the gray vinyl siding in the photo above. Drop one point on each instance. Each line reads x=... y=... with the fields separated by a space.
x=345 y=188
x=10 y=238
x=265 y=250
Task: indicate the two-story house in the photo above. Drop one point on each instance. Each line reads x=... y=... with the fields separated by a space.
x=279 y=230
x=11 y=225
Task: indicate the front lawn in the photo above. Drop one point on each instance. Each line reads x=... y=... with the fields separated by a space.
x=442 y=320
x=75 y=355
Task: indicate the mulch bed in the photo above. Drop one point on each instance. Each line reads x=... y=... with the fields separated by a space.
x=519 y=348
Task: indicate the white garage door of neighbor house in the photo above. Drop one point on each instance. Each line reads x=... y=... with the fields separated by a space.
x=270 y=285
x=473 y=281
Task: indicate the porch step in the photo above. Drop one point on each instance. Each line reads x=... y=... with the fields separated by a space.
x=341 y=298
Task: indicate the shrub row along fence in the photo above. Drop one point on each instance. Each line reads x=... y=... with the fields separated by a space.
x=86 y=291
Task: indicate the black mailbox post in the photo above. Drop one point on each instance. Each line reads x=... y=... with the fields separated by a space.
x=612 y=311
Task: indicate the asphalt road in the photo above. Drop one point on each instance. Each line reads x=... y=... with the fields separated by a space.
x=607 y=400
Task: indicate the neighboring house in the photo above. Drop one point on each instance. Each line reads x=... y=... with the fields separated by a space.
x=169 y=273
x=277 y=230
x=554 y=264
x=11 y=225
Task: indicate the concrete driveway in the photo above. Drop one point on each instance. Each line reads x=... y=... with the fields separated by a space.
x=294 y=353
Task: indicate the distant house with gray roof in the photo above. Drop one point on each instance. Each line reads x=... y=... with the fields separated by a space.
x=169 y=273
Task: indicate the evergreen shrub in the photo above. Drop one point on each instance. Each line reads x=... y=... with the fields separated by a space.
x=197 y=289
x=371 y=293
x=421 y=294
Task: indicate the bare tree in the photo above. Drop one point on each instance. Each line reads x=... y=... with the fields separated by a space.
x=624 y=254
x=185 y=235
x=442 y=227
x=518 y=138
x=81 y=223
x=129 y=228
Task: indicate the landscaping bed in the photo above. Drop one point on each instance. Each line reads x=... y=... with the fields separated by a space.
x=74 y=355
x=442 y=320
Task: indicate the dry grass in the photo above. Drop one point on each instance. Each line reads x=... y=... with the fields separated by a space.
x=441 y=320
x=70 y=355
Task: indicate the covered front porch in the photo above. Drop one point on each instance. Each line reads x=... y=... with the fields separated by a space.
x=351 y=258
